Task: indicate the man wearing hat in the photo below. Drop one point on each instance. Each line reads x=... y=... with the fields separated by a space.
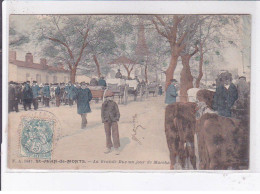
x=225 y=96
x=11 y=96
x=110 y=116
x=46 y=94
x=58 y=94
x=118 y=74
x=102 y=82
x=83 y=97
x=27 y=96
x=171 y=92
x=35 y=91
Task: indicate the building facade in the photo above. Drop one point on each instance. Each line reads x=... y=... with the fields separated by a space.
x=27 y=70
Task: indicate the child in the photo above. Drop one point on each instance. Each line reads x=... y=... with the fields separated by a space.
x=110 y=116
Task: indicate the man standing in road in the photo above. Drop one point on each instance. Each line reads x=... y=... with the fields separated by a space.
x=171 y=92
x=27 y=96
x=46 y=95
x=110 y=116
x=83 y=97
x=57 y=95
x=35 y=91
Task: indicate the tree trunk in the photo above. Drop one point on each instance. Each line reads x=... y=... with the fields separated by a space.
x=128 y=74
x=197 y=84
x=98 y=66
x=128 y=71
x=186 y=80
x=73 y=75
x=170 y=71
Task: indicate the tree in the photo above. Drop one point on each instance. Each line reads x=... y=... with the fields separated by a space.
x=141 y=50
x=186 y=80
x=175 y=29
x=125 y=38
x=17 y=39
x=66 y=38
x=214 y=35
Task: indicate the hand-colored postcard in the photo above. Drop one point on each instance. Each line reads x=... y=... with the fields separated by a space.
x=129 y=92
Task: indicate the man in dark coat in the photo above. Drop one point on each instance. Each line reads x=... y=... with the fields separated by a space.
x=35 y=91
x=160 y=91
x=118 y=74
x=83 y=97
x=71 y=89
x=110 y=116
x=171 y=92
x=57 y=95
x=17 y=96
x=225 y=97
x=62 y=92
x=11 y=96
x=27 y=96
x=102 y=82
x=46 y=94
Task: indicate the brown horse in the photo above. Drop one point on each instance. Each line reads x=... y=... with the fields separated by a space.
x=221 y=140
x=179 y=129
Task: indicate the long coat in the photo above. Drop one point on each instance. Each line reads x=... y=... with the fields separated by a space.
x=11 y=93
x=46 y=91
x=110 y=111
x=72 y=90
x=171 y=94
x=35 y=91
x=27 y=92
x=83 y=97
x=57 y=91
x=224 y=99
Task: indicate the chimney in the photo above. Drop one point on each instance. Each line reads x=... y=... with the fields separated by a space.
x=29 y=58
x=43 y=62
x=12 y=56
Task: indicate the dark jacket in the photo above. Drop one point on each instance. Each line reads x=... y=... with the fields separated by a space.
x=171 y=94
x=118 y=75
x=35 y=91
x=110 y=111
x=27 y=92
x=46 y=91
x=83 y=97
x=11 y=93
x=224 y=99
x=57 y=91
x=102 y=82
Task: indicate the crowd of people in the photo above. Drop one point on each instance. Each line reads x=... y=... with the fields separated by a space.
x=229 y=97
x=30 y=94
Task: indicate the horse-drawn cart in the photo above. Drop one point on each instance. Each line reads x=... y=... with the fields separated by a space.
x=98 y=92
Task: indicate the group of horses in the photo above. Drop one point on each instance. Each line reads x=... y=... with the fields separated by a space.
x=222 y=142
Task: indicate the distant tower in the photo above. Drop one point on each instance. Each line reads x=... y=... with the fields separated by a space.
x=141 y=47
x=142 y=51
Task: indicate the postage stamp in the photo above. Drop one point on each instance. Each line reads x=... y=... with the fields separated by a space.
x=37 y=138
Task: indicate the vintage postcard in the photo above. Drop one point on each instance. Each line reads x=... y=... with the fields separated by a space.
x=129 y=92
